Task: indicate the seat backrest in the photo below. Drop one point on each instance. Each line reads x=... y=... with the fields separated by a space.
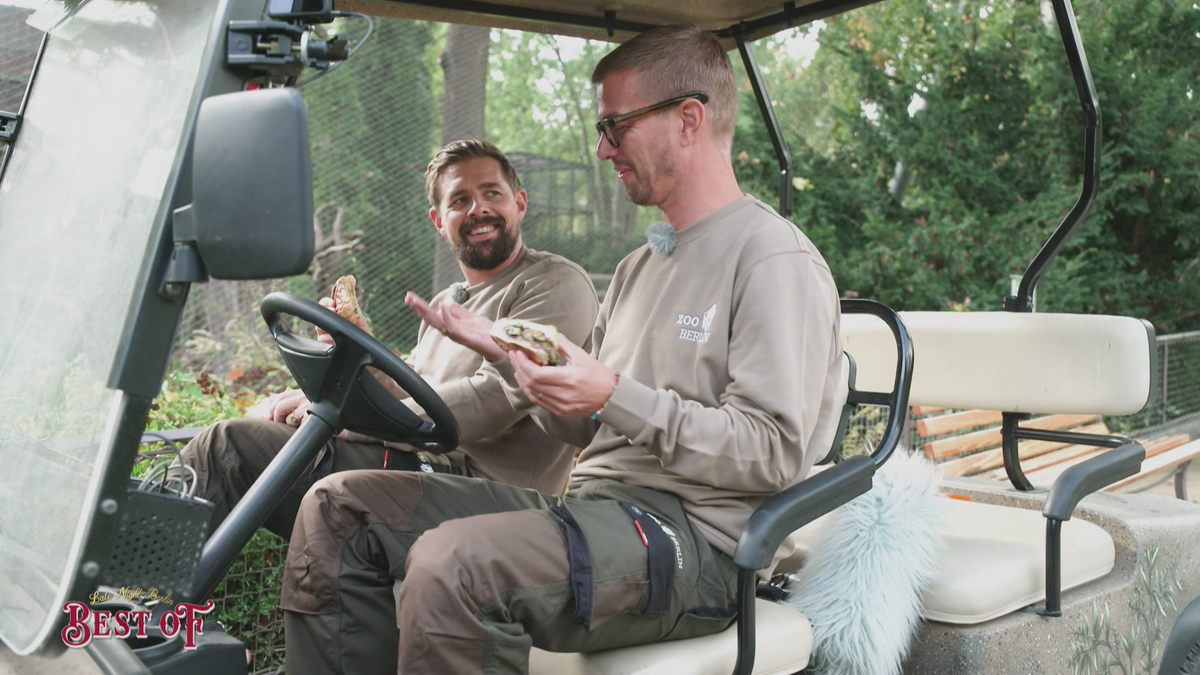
x=847 y=410
x=890 y=389
x=1014 y=362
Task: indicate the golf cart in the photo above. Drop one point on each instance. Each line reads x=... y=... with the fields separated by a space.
x=176 y=174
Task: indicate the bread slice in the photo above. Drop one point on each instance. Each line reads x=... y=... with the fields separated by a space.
x=345 y=300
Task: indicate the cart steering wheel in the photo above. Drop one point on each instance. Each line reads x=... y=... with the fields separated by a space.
x=343 y=393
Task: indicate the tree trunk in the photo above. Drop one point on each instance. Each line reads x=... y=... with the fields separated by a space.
x=464 y=67
x=900 y=177
x=602 y=220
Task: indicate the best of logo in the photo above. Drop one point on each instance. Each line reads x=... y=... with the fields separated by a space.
x=86 y=623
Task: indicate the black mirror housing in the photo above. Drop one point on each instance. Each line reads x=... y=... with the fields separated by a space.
x=252 y=199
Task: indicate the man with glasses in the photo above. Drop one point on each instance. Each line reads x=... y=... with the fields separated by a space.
x=703 y=395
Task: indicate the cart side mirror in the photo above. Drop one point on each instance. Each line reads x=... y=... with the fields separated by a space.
x=252 y=201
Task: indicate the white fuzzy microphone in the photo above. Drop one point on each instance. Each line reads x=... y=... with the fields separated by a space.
x=661 y=238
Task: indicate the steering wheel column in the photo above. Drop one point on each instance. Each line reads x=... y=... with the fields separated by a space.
x=344 y=395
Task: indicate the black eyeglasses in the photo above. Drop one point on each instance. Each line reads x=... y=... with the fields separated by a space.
x=607 y=127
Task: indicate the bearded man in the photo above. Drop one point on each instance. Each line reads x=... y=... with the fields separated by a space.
x=476 y=203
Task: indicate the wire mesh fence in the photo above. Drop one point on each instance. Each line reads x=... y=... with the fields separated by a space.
x=18 y=49
x=247 y=601
x=1178 y=395
x=1179 y=355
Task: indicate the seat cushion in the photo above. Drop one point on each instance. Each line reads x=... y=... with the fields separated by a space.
x=784 y=642
x=994 y=561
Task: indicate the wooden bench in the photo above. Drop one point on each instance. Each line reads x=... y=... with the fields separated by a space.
x=967 y=443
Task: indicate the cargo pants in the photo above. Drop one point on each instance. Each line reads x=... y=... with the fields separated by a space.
x=484 y=571
x=230 y=455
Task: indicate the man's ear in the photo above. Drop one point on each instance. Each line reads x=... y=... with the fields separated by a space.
x=436 y=217
x=692 y=115
x=522 y=202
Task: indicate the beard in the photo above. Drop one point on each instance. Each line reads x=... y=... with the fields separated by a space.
x=489 y=254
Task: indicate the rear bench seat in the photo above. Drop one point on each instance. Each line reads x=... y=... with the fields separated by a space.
x=1081 y=365
x=994 y=562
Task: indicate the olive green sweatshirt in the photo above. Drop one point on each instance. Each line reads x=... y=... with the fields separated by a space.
x=731 y=368
x=501 y=443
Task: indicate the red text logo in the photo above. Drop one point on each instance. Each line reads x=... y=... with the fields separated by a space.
x=86 y=623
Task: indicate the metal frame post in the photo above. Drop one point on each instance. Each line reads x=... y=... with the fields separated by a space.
x=1053 y=605
x=1065 y=16
x=264 y=496
x=768 y=113
x=1010 y=429
x=1022 y=301
x=1166 y=369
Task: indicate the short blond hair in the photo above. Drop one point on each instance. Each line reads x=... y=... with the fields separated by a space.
x=460 y=151
x=673 y=60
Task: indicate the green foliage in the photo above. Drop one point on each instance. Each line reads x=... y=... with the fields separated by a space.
x=540 y=100
x=540 y=97
x=935 y=146
x=210 y=380
x=374 y=129
x=1099 y=647
x=197 y=400
x=864 y=430
x=247 y=599
x=992 y=153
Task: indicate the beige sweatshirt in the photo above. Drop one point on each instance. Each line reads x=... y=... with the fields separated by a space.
x=501 y=443
x=731 y=368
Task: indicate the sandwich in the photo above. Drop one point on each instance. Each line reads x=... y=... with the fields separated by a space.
x=345 y=302
x=538 y=341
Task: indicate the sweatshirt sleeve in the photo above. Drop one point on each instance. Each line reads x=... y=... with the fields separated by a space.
x=561 y=295
x=780 y=356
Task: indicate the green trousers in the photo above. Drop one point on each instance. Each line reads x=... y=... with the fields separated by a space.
x=230 y=455
x=421 y=573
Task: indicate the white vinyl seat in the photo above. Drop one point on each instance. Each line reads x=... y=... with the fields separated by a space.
x=783 y=645
x=994 y=561
x=1013 y=362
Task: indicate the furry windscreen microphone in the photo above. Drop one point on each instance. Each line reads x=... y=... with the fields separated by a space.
x=458 y=293
x=661 y=238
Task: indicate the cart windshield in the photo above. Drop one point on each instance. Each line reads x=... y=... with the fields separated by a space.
x=77 y=205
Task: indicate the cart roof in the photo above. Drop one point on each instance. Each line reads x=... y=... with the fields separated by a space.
x=612 y=20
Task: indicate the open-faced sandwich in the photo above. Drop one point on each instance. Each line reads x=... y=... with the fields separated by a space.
x=345 y=301
x=538 y=341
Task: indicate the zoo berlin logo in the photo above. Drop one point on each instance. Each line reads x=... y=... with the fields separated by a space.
x=86 y=623
x=702 y=322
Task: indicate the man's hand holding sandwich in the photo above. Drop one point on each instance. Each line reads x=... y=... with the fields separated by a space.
x=576 y=389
